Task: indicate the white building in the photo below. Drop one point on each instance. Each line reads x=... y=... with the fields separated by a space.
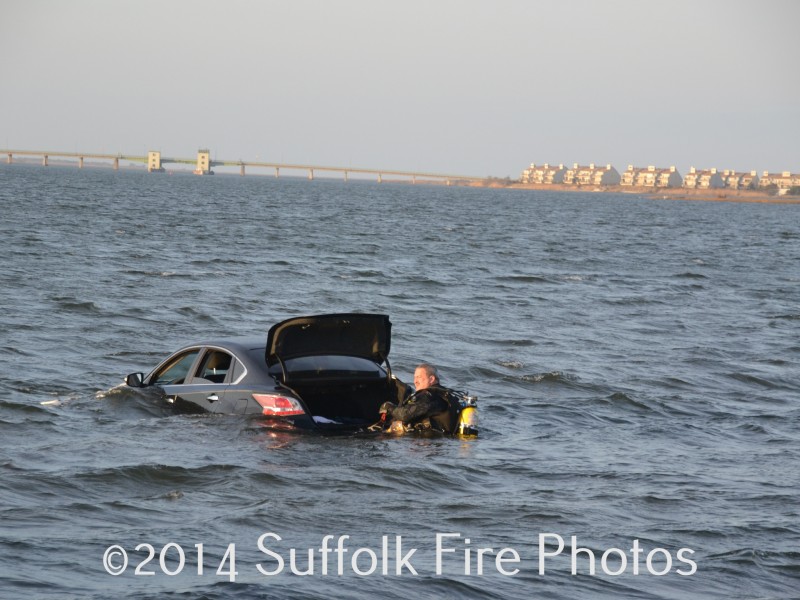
x=543 y=174
x=703 y=179
x=651 y=176
x=591 y=175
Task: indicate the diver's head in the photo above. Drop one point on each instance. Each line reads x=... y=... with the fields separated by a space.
x=425 y=376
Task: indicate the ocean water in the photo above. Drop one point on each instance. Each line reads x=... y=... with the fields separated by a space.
x=637 y=363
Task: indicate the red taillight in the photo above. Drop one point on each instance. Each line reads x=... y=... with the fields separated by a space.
x=280 y=406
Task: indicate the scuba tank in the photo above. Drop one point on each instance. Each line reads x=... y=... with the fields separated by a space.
x=468 y=417
x=461 y=418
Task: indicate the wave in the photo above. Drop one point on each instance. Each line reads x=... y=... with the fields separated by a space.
x=551 y=377
x=132 y=403
x=9 y=407
x=522 y=279
x=519 y=342
x=786 y=317
x=621 y=399
x=762 y=382
x=219 y=261
x=786 y=562
x=72 y=304
x=158 y=474
x=499 y=377
x=195 y=314
x=14 y=351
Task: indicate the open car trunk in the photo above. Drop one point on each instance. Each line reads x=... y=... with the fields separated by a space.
x=351 y=403
x=340 y=390
x=334 y=364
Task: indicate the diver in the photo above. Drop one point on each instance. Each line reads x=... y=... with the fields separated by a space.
x=427 y=408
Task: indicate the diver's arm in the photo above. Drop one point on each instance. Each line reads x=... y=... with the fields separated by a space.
x=421 y=405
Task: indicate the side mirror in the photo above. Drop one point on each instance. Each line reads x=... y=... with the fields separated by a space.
x=135 y=380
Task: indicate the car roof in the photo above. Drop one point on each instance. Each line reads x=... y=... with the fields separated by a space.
x=241 y=345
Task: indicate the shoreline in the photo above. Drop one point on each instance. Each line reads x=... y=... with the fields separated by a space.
x=687 y=194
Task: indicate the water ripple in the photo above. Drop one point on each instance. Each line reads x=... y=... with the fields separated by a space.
x=635 y=361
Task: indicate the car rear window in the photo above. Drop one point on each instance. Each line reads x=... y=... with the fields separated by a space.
x=334 y=367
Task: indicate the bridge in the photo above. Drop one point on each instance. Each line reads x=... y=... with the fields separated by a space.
x=203 y=165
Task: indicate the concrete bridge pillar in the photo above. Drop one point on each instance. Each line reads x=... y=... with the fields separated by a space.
x=311 y=174
x=154 y=162
x=116 y=164
x=203 y=162
x=44 y=160
x=345 y=176
x=380 y=178
x=241 y=169
x=10 y=158
x=80 y=162
x=277 y=172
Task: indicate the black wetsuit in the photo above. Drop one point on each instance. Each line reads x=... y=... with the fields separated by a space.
x=421 y=405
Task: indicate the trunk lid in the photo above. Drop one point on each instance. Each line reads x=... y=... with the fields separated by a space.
x=349 y=334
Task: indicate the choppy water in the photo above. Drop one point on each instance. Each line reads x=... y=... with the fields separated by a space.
x=637 y=362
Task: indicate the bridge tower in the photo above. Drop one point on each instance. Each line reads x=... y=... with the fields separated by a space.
x=154 y=162
x=203 y=162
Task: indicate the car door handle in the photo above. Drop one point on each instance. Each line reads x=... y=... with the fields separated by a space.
x=213 y=398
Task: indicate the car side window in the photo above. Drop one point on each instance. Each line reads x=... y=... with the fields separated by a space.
x=175 y=371
x=215 y=366
x=237 y=370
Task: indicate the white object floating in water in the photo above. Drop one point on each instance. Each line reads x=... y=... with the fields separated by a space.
x=318 y=419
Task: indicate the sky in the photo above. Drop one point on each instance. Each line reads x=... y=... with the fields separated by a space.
x=467 y=87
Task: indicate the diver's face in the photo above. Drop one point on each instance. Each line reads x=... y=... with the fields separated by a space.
x=422 y=380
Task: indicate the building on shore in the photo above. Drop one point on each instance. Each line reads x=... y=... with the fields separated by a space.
x=544 y=174
x=783 y=181
x=740 y=181
x=651 y=176
x=591 y=175
x=703 y=179
x=579 y=176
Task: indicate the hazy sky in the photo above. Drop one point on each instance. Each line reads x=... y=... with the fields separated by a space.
x=464 y=87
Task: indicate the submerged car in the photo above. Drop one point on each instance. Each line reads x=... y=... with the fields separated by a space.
x=328 y=372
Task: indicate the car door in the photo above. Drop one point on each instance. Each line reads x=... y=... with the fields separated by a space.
x=173 y=375
x=204 y=389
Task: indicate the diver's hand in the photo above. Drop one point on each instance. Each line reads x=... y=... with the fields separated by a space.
x=397 y=427
x=387 y=408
